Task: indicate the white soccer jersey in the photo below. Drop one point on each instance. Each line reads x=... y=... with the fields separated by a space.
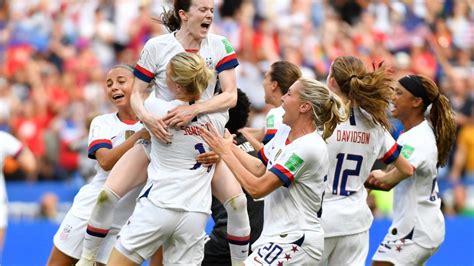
x=180 y=182
x=273 y=121
x=157 y=52
x=9 y=146
x=106 y=131
x=416 y=209
x=291 y=210
x=353 y=148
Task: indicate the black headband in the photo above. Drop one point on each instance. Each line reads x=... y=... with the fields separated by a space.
x=414 y=85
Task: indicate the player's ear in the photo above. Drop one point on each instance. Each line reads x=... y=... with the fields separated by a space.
x=305 y=107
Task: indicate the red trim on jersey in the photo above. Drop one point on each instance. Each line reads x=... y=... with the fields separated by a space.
x=390 y=152
x=100 y=141
x=192 y=50
x=127 y=121
x=262 y=156
x=285 y=171
x=144 y=71
x=226 y=59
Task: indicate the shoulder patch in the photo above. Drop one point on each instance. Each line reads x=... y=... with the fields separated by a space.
x=228 y=47
x=294 y=163
x=271 y=121
x=407 y=151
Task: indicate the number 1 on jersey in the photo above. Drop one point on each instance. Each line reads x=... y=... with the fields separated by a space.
x=200 y=148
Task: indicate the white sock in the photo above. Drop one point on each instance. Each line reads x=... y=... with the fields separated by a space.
x=99 y=223
x=238 y=227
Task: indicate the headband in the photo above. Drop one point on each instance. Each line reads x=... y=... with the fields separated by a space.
x=414 y=85
x=127 y=67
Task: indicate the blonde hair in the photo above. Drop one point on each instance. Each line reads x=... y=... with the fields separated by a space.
x=328 y=108
x=190 y=72
x=371 y=91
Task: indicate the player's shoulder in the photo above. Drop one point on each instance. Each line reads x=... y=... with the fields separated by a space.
x=4 y=134
x=157 y=43
x=104 y=119
x=216 y=40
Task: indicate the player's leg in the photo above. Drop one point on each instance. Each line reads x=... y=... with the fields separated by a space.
x=186 y=244
x=229 y=192
x=157 y=258
x=57 y=258
x=349 y=250
x=117 y=258
x=128 y=173
x=144 y=234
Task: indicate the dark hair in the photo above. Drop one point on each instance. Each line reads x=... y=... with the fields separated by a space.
x=371 y=91
x=285 y=74
x=239 y=114
x=441 y=117
x=171 y=18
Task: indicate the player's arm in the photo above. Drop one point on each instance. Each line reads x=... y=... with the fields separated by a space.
x=249 y=162
x=256 y=186
x=254 y=136
x=155 y=124
x=226 y=99
x=26 y=160
x=107 y=157
x=397 y=172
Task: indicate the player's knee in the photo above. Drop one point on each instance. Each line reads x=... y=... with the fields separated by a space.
x=107 y=196
x=236 y=203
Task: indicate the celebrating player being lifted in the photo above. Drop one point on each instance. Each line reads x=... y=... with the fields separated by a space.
x=189 y=24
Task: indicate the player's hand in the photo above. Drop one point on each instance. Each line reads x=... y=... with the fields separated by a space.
x=208 y=158
x=220 y=145
x=181 y=115
x=144 y=134
x=375 y=180
x=157 y=127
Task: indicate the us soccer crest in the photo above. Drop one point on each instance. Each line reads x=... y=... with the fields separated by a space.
x=209 y=62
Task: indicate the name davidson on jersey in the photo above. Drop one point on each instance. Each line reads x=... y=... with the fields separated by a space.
x=353 y=136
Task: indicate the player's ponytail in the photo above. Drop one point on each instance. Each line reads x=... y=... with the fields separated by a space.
x=170 y=18
x=372 y=91
x=328 y=108
x=441 y=115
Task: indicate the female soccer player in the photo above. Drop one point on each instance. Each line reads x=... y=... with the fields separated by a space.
x=189 y=24
x=173 y=210
x=417 y=228
x=10 y=146
x=110 y=136
x=293 y=181
x=277 y=80
x=353 y=149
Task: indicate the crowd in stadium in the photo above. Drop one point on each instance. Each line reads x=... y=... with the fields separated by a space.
x=54 y=55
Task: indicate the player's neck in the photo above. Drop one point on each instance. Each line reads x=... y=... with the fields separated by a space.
x=187 y=40
x=126 y=115
x=412 y=121
x=301 y=128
